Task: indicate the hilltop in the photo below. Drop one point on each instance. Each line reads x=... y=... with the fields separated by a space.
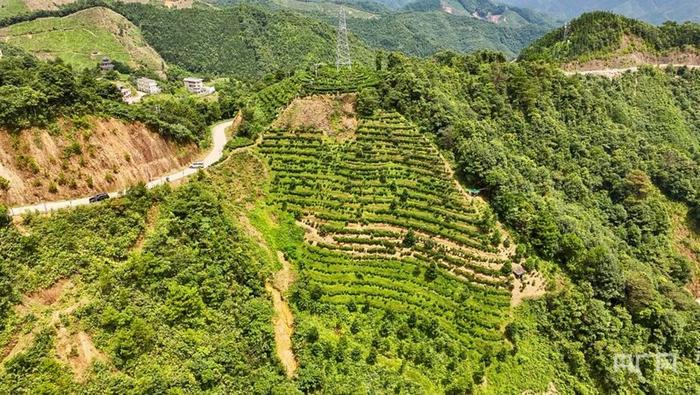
x=618 y=40
x=9 y=8
x=243 y=41
x=647 y=10
x=83 y=38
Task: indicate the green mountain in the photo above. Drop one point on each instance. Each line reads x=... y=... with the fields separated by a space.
x=648 y=10
x=242 y=41
x=599 y=179
x=425 y=33
x=82 y=39
x=602 y=35
x=456 y=224
x=424 y=27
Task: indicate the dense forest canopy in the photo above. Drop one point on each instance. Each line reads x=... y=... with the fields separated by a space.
x=244 y=41
x=598 y=35
x=653 y=11
x=582 y=169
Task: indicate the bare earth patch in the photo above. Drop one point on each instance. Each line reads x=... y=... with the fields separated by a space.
x=111 y=155
x=619 y=64
x=686 y=242
x=334 y=115
x=551 y=390
x=283 y=320
x=531 y=286
x=151 y=217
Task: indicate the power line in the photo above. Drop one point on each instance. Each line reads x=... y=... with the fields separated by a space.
x=342 y=50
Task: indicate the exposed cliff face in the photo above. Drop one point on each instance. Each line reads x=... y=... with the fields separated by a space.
x=109 y=155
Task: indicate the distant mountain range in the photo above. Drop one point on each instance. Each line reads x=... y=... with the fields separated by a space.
x=654 y=11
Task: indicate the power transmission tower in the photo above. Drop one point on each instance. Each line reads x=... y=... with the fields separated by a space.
x=342 y=50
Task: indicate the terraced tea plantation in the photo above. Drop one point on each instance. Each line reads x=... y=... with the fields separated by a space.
x=388 y=230
x=330 y=80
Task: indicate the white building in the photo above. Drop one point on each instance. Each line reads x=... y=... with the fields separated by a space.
x=106 y=64
x=147 y=85
x=126 y=93
x=196 y=85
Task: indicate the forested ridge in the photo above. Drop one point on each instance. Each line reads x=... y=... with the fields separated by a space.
x=244 y=41
x=597 y=35
x=581 y=169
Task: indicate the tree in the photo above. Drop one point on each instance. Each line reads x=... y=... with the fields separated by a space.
x=183 y=305
x=312 y=335
x=4 y=216
x=409 y=239
x=639 y=293
x=4 y=184
x=602 y=269
x=367 y=101
x=371 y=357
x=431 y=272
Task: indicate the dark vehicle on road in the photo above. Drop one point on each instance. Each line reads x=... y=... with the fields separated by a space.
x=98 y=198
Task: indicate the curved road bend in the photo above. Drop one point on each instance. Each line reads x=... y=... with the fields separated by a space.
x=218 y=137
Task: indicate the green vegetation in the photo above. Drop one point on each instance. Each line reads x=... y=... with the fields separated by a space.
x=599 y=35
x=184 y=311
x=402 y=271
x=401 y=282
x=83 y=39
x=11 y=7
x=425 y=33
x=36 y=93
x=244 y=41
x=572 y=166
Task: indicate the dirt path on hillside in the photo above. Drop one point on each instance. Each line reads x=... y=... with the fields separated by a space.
x=283 y=320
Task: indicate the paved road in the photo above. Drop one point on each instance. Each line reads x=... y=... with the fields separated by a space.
x=612 y=72
x=219 y=139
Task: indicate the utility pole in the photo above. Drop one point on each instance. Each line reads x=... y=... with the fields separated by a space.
x=342 y=54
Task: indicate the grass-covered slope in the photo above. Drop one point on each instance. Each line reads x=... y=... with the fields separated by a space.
x=603 y=35
x=243 y=41
x=12 y=7
x=83 y=38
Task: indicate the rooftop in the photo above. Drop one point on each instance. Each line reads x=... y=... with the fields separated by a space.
x=519 y=270
x=193 y=79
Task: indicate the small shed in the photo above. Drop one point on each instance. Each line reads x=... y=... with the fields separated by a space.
x=519 y=271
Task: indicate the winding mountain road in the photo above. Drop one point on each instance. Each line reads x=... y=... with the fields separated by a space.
x=219 y=140
x=616 y=72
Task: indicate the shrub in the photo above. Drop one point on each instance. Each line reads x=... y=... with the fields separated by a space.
x=4 y=184
x=4 y=216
